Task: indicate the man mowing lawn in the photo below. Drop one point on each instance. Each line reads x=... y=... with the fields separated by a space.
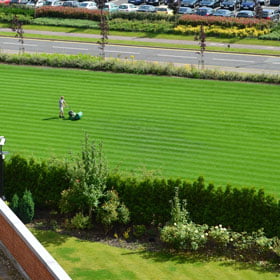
x=62 y=103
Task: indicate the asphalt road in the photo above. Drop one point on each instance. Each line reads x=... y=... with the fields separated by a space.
x=224 y=61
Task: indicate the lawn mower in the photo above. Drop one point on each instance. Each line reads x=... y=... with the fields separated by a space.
x=75 y=116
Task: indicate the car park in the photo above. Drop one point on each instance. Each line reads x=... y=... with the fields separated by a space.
x=127 y=8
x=245 y=14
x=190 y=3
x=154 y=2
x=223 y=13
x=204 y=11
x=111 y=7
x=209 y=3
x=146 y=9
x=185 y=11
x=164 y=10
x=270 y=14
x=90 y=5
x=72 y=4
x=230 y=4
x=248 y=5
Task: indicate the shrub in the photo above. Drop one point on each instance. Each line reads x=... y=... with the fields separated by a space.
x=218 y=236
x=79 y=221
x=139 y=230
x=112 y=211
x=15 y=204
x=26 y=207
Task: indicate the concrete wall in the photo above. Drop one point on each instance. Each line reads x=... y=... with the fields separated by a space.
x=26 y=250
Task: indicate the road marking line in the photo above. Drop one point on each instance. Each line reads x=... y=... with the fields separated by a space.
x=121 y=52
x=275 y=62
x=179 y=56
x=69 y=48
x=234 y=60
x=8 y=43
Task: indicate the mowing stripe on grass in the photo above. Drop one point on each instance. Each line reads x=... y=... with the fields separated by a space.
x=228 y=132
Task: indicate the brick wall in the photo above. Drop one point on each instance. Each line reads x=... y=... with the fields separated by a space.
x=26 y=249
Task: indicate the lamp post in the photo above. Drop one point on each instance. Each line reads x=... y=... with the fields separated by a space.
x=2 y=156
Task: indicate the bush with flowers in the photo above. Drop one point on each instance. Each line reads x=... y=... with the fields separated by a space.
x=182 y=234
x=222 y=31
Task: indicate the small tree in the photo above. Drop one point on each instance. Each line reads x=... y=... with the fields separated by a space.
x=202 y=44
x=89 y=176
x=16 y=26
x=104 y=27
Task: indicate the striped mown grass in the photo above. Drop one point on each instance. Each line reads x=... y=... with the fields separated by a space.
x=226 y=131
x=84 y=260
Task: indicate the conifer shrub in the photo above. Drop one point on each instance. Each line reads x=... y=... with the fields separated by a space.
x=26 y=207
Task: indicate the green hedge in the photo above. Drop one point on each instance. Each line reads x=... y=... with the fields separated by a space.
x=45 y=180
x=89 y=62
x=17 y=10
x=148 y=200
x=244 y=209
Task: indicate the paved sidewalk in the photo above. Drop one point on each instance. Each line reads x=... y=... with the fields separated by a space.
x=144 y=39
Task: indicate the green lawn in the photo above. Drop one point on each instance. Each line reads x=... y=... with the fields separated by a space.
x=228 y=132
x=84 y=260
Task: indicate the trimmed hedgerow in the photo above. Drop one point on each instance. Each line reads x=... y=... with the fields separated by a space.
x=45 y=180
x=148 y=199
x=68 y=12
x=242 y=209
x=135 y=67
x=82 y=23
x=17 y=10
x=224 y=21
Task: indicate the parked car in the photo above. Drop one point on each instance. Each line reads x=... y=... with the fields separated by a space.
x=245 y=14
x=18 y=2
x=111 y=7
x=90 y=5
x=164 y=10
x=248 y=5
x=209 y=3
x=154 y=2
x=270 y=14
x=5 y=2
x=127 y=8
x=204 y=11
x=264 y=2
x=230 y=4
x=136 y=2
x=223 y=13
x=190 y=3
x=54 y=3
x=73 y=4
x=36 y=4
x=146 y=9
x=185 y=11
